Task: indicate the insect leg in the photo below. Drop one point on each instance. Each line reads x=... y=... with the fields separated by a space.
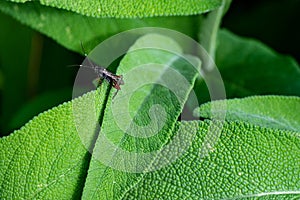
x=97 y=82
x=115 y=94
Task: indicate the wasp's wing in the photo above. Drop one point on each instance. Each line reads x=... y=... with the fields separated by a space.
x=97 y=82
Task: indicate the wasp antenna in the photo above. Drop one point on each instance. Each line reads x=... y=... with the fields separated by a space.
x=85 y=66
x=73 y=65
x=84 y=52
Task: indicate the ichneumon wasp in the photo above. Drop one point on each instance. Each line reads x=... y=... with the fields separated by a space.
x=103 y=74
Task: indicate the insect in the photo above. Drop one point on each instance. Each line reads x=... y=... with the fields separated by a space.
x=115 y=80
x=102 y=73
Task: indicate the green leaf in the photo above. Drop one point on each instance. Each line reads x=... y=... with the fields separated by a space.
x=52 y=164
x=70 y=29
x=270 y=111
x=248 y=67
x=48 y=158
x=120 y=9
x=274 y=73
x=248 y=161
x=208 y=34
x=45 y=159
x=140 y=119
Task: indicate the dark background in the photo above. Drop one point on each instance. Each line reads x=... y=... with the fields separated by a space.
x=274 y=22
x=49 y=83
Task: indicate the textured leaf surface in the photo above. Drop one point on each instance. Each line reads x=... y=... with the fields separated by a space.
x=154 y=65
x=248 y=161
x=45 y=159
x=70 y=29
x=130 y=8
x=271 y=111
x=248 y=67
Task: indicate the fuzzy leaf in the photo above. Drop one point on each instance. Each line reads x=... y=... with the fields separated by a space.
x=270 y=111
x=248 y=161
x=140 y=8
x=249 y=67
x=70 y=29
x=142 y=116
x=45 y=159
x=274 y=73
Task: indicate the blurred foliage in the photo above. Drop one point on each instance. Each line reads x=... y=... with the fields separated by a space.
x=31 y=65
x=248 y=67
x=15 y=44
x=70 y=29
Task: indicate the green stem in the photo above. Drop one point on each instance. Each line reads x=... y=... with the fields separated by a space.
x=209 y=29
